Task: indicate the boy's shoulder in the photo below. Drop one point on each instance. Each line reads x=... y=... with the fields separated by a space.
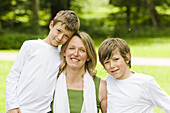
x=143 y=76
x=32 y=41
x=138 y=77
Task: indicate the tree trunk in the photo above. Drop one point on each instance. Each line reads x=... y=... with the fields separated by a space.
x=57 y=5
x=35 y=17
x=1 y=28
x=154 y=15
x=128 y=15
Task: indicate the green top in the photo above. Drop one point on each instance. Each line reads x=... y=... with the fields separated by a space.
x=76 y=97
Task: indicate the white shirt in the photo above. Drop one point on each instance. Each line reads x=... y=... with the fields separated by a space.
x=136 y=94
x=31 y=80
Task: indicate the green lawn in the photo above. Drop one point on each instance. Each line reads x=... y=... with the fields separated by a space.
x=5 y=67
x=145 y=46
x=159 y=73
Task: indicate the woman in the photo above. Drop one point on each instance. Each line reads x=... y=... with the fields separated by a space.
x=78 y=90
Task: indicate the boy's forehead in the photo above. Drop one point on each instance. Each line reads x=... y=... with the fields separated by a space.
x=113 y=53
x=62 y=26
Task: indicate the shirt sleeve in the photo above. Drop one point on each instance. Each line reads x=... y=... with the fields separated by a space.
x=158 y=96
x=13 y=78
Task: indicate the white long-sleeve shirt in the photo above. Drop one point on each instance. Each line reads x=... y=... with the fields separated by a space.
x=136 y=94
x=31 y=81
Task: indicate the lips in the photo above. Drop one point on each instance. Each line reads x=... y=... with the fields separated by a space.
x=75 y=60
x=57 y=41
x=114 y=71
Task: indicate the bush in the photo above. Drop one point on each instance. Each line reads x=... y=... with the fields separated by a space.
x=104 y=28
x=15 y=40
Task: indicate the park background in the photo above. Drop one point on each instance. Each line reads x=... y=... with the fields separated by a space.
x=144 y=24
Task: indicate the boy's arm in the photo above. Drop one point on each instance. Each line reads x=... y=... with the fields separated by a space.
x=13 y=79
x=158 y=96
x=103 y=96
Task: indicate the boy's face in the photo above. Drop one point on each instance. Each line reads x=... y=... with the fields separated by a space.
x=58 y=34
x=117 y=66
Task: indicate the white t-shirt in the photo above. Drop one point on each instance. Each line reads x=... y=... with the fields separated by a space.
x=136 y=94
x=32 y=78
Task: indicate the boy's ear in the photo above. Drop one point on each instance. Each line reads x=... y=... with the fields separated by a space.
x=51 y=25
x=128 y=58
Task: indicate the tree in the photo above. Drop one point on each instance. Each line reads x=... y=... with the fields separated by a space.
x=35 y=17
x=125 y=3
x=153 y=13
x=5 y=7
x=57 y=5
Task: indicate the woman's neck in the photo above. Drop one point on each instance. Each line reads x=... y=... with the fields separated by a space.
x=74 y=78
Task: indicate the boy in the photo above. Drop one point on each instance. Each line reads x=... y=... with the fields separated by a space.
x=31 y=81
x=127 y=91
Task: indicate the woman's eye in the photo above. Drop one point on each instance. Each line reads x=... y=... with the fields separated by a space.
x=82 y=50
x=71 y=48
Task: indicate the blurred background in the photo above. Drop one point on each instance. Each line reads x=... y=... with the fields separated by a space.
x=21 y=20
x=143 y=24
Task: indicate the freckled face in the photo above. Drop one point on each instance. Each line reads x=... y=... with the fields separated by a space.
x=58 y=35
x=117 y=66
x=76 y=54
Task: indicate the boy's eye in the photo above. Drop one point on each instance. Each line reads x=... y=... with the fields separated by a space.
x=106 y=62
x=66 y=36
x=58 y=30
x=116 y=59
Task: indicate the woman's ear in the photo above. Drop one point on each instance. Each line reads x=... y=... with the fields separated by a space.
x=88 y=59
x=64 y=54
x=51 y=25
x=128 y=58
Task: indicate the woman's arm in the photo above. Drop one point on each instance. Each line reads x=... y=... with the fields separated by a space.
x=103 y=96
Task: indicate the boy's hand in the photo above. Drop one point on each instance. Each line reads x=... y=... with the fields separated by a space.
x=15 y=110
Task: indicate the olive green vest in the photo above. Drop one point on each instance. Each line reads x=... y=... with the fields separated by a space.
x=76 y=97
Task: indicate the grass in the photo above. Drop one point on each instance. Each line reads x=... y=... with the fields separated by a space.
x=5 y=67
x=159 y=73
x=146 y=46
x=11 y=51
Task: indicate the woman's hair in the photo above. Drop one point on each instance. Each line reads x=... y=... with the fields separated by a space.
x=90 y=49
x=107 y=47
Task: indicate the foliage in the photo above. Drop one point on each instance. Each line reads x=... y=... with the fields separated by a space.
x=15 y=40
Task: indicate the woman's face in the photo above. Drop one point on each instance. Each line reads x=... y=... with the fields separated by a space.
x=76 y=54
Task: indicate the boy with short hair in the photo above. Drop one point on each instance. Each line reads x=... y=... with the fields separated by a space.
x=32 y=78
x=127 y=91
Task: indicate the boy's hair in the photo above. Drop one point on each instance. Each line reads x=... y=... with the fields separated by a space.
x=69 y=19
x=107 y=47
x=90 y=49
